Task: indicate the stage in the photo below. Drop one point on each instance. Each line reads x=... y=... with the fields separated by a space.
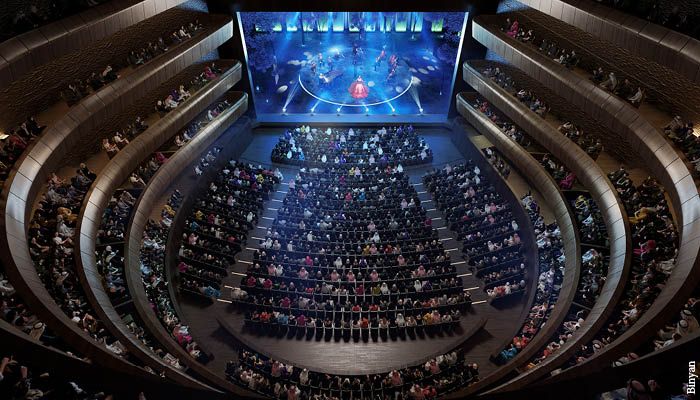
x=352 y=76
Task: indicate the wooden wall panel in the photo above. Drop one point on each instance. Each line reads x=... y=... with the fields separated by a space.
x=73 y=33
x=655 y=42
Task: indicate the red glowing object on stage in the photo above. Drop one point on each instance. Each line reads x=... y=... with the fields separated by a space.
x=358 y=89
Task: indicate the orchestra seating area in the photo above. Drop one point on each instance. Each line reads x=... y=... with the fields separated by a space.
x=507 y=211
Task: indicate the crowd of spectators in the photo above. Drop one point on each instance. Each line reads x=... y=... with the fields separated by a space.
x=682 y=325
x=51 y=234
x=110 y=263
x=14 y=142
x=591 y=226
x=654 y=257
x=178 y=95
x=485 y=224
x=683 y=134
x=218 y=225
x=564 y=178
x=550 y=250
x=305 y=145
x=497 y=161
x=190 y=131
x=623 y=88
x=15 y=312
x=591 y=144
x=436 y=377
x=152 y=267
x=19 y=381
x=594 y=268
x=351 y=251
x=79 y=88
x=122 y=137
x=160 y=46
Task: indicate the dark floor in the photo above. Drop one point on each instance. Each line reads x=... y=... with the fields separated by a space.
x=355 y=357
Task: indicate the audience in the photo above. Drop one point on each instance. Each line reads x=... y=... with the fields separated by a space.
x=624 y=88
x=497 y=161
x=654 y=233
x=14 y=142
x=683 y=134
x=18 y=381
x=551 y=273
x=366 y=258
x=315 y=147
x=436 y=377
x=591 y=144
x=77 y=90
x=485 y=223
x=153 y=273
x=51 y=234
x=218 y=225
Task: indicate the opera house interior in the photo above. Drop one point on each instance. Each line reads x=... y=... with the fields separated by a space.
x=357 y=200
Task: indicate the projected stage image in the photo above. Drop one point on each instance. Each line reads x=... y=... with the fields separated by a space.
x=352 y=64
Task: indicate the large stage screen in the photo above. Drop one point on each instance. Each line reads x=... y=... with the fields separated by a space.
x=352 y=65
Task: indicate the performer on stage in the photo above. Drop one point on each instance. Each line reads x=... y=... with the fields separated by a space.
x=358 y=89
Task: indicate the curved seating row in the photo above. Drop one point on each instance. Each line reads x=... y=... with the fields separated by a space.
x=159 y=184
x=548 y=188
x=106 y=183
x=70 y=287
x=661 y=87
x=46 y=154
x=21 y=54
x=102 y=189
x=62 y=365
x=654 y=42
x=26 y=97
x=657 y=154
x=226 y=322
x=592 y=177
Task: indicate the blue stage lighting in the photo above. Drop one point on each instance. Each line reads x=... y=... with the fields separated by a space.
x=284 y=110
x=313 y=109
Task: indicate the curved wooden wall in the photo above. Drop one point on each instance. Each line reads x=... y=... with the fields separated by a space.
x=24 y=52
x=28 y=177
x=157 y=187
x=672 y=49
x=663 y=88
x=118 y=171
x=40 y=89
x=97 y=199
x=602 y=192
x=656 y=153
x=541 y=181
